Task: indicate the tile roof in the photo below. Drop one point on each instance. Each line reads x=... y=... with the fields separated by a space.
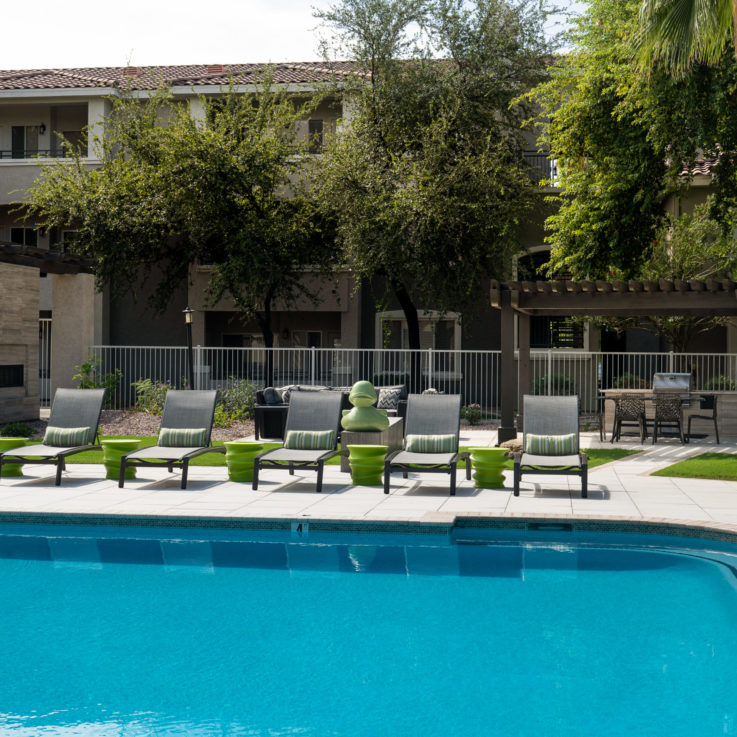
x=143 y=78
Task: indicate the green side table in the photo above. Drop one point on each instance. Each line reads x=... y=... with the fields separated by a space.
x=112 y=451
x=488 y=464
x=367 y=464
x=12 y=444
x=239 y=455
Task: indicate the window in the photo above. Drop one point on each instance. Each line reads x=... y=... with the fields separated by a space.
x=61 y=243
x=437 y=334
x=555 y=332
x=315 y=133
x=24 y=236
x=23 y=141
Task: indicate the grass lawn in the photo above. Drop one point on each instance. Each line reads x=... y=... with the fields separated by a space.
x=717 y=466
x=597 y=456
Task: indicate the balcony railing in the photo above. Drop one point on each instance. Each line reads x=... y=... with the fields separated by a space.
x=32 y=153
x=541 y=167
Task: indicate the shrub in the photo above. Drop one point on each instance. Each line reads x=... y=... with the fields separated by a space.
x=471 y=413
x=150 y=395
x=89 y=377
x=560 y=385
x=236 y=402
x=16 y=430
x=628 y=380
x=720 y=384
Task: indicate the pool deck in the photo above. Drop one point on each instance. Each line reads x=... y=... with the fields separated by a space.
x=621 y=490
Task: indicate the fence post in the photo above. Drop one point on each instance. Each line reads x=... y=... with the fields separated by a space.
x=198 y=367
x=429 y=369
x=312 y=365
x=670 y=362
x=550 y=370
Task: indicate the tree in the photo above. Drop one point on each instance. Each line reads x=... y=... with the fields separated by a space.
x=681 y=33
x=427 y=183
x=625 y=143
x=227 y=189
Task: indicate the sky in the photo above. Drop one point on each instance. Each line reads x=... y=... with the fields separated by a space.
x=97 y=33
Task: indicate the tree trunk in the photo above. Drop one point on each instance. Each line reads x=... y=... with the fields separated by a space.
x=264 y=322
x=413 y=334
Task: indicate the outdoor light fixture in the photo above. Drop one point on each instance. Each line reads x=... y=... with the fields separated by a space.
x=42 y=128
x=188 y=315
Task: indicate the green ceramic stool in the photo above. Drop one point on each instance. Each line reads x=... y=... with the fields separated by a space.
x=488 y=464
x=12 y=444
x=112 y=451
x=367 y=464
x=239 y=455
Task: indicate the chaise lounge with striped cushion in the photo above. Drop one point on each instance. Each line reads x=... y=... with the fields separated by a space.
x=310 y=435
x=186 y=427
x=431 y=436
x=72 y=428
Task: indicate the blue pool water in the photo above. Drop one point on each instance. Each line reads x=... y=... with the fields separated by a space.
x=215 y=635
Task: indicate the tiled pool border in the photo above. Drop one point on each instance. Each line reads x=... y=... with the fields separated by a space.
x=434 y=523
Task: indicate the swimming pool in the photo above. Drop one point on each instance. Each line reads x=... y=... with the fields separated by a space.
x=128 y=631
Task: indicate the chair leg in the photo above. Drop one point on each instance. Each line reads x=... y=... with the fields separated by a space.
x=655 y=431
x=517 y=475
x=452 y=479
x=59 y=469
x=254 y=483
x=291 y=469
x=121 y=475
x=185 y=471
x=584 y=480
x=320 y=466
x=468 y=467
x=684 y=440
x=387 y=474
x=716 y=430
x=614 y=430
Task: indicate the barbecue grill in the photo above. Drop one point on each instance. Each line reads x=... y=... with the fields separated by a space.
x=669 y=383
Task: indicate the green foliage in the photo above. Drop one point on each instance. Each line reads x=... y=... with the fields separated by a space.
x=236 y=402
x=628 y=380
x=428 y=186
x=560 y=385
x=622 y=140
x=720 y=383
x=150 y=395
x=89 y=377
x=471 y=413
x=16 y=430
x=228 y=190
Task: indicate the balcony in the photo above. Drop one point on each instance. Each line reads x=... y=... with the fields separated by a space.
x=32 y=153
x=541 y=167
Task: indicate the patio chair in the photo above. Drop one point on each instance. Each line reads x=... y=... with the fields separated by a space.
x=706 y=402
x=629 y=410
x=431 y=433
x=550 y=442
x=186 y=426
x=310 y=435
x=72 y=428
x=668 y=412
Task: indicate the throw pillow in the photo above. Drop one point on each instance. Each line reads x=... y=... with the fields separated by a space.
x=551 y=445
x=431 y=443
x=310 y=440
x=271 y=396
x=182 y=437
x=284 y=392
x=60 y=437
x=389 y=397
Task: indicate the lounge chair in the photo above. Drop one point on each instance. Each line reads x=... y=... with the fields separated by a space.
x=72 y=428
x=431 y=432
x=550 y=443
x=186 y=426
x=310 y=435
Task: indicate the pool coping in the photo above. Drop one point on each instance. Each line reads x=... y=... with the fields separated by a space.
x=434 y=523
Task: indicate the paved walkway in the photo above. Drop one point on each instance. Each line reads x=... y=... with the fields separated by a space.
x=619 y=489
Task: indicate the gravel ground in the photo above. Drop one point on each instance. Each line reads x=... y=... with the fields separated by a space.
x=123 y=422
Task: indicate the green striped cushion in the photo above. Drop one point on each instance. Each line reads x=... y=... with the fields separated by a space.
x=431 y=443
x=551 y=445
x=182 y=437
x=60 y=437
x=310 y=440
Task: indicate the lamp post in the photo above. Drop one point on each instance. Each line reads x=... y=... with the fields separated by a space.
x=188 y=314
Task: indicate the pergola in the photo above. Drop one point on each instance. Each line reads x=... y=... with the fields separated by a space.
x=663 y=298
